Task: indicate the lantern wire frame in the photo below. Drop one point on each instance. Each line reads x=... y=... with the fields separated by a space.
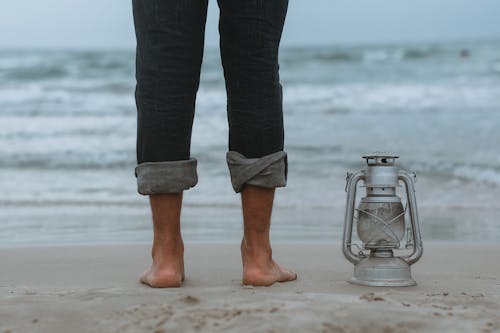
x=386 y=228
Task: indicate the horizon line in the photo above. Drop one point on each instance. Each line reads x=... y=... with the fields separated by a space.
x=285 y=46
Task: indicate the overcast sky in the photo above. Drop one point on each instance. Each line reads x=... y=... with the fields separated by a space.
x=108 y=23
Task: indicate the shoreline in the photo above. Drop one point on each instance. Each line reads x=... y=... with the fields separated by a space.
x=95 y=288
x=335 y=244
x=100 y=227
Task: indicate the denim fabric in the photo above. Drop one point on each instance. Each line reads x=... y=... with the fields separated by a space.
x=170 y=42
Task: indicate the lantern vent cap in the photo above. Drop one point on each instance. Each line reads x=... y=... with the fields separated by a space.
x=381 y=158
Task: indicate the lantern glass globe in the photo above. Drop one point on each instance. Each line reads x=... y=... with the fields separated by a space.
x=381 y=224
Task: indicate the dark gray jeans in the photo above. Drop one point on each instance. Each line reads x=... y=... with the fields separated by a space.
x=170 y=40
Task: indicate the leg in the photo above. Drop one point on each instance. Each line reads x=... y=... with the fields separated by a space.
x=259 y=268
x=170 y=37
x=250 y=33
x=167 y=269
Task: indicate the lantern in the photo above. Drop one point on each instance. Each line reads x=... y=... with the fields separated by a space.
x=381 y=224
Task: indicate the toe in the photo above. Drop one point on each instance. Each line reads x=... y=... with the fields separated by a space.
x=144 y=276
x=287 y=275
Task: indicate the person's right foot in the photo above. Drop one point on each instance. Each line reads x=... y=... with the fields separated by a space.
x=259 y=268
x=167 y=269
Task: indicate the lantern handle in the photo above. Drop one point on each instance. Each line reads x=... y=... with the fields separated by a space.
x=351 y=185
x=409 y=180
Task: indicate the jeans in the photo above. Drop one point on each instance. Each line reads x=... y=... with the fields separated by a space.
x=170 y=41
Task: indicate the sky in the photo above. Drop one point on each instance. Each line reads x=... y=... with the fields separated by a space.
x=108 y=23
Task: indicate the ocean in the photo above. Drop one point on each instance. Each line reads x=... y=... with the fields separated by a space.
x=68 y=126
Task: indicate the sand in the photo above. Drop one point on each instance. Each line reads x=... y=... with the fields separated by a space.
x=95 y=289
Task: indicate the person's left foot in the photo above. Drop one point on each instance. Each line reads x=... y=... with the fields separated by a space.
x=167 y=269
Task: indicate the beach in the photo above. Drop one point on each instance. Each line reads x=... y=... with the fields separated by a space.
x=95 y=288
x=75 y=234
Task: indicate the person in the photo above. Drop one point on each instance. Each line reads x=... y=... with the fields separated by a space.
x=170 y=42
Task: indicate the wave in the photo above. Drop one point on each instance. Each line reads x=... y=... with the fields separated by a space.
x=85 y=201
x=337 y=56
x=23 y=66
x=484 y=174
x=34 y=73
x=39 y=66
x=70 y=161
x=405 y=97
x=358 y=55
x=312 y=159
x=116 y=98
x=418 y=53
x=446 y=170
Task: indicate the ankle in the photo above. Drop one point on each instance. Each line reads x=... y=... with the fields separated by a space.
x=256 y=250
x=256 y=238
x=167 y=246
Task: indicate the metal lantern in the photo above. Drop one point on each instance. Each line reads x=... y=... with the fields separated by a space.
x=381 y=225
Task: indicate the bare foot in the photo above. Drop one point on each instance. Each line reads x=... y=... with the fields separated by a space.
x=259 y=268
x=167 y=269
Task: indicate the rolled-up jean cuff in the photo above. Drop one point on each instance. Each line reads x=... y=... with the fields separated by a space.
x=166 y=177
x=268 y=171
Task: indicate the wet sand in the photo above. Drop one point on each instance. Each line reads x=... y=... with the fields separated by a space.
x=96 y=289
